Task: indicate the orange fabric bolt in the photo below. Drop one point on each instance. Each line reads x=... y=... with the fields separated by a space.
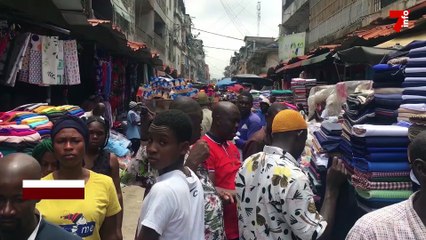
x=288 y=120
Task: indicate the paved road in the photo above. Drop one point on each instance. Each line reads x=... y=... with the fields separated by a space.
x=132 y=198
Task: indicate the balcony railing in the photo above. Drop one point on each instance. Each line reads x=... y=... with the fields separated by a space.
x=159 y=44
x=144 y=37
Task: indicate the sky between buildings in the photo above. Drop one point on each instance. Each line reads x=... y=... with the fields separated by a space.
x=236 y=18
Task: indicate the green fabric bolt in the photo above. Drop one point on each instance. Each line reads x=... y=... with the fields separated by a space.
x=403 y=194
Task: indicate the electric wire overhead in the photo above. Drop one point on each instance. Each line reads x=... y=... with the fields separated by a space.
x=226 y=49
x=218 y=34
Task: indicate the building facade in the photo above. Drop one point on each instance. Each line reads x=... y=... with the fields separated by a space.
x=255 y=57
x=166 y=28
x=327 y=21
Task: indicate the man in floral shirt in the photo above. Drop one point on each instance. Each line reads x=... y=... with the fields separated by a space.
x=199 y=152
x=274 y=197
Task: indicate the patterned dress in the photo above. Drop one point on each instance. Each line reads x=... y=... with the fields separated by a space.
x=275 y=200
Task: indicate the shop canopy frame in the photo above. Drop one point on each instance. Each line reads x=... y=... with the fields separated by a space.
x=252 y=79
x=361 y=55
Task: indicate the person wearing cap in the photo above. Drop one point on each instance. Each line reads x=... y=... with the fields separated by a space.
x=204 y=102
x=132 y=130
x=264 y=106
x=43 y=153
x=274 y=197
x=405 y=220
x=95 y=216
x=262 y=137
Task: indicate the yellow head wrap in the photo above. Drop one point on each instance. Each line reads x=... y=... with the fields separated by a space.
x=288 y=120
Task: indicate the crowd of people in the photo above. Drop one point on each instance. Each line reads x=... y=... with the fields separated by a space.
x=219 y=171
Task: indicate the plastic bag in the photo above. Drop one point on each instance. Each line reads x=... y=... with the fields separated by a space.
x=118 y=144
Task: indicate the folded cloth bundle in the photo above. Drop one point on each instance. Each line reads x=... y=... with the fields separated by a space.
x=415 y=72
x=410 y=91
x=388 y=90
x=331 y=129
x=415 y=79
x=407 y=84
x=398 y=61
x=397 y=84
x=373 y=142
x=372 y=176
x=419 y=52
x=365 y=118
x=383 y=156
x=363 y=184
x=369 y=130
x=328 y=143
x=389 y=101
x=386 y=112
x=376 y=203
x=388 y=73
x=416 y=62
x=402 y=194
x=364 y=165
x=17 y=132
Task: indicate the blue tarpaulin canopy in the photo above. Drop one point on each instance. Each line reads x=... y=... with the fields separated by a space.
x=225 y=82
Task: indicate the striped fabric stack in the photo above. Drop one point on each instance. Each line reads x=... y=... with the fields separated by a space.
x=18 y=131
x=387 y=92
x=414 y=94
x=301 y=88
x=380 y=165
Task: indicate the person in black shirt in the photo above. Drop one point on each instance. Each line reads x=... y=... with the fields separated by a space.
x=19 y=219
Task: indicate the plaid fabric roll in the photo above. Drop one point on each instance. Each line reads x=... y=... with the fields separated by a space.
x=364 y=184
x=371 y=175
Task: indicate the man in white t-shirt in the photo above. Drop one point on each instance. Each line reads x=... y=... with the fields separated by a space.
x=174 y=207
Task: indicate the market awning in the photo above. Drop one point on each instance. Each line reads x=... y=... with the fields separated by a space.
x=293 y=65
x=403 y=40
x=299 y=60
x=253 y=79
x=103 y=34
x=316 y=59
x=362 y=55
x=44 y=11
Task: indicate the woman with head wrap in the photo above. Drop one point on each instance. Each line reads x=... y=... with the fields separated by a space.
x=95 y=216
x=43 y=152
x=100 y=160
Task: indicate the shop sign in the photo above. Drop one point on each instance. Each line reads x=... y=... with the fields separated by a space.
x=291 y=46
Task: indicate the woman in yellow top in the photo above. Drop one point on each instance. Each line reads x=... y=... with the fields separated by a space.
x=95 y=217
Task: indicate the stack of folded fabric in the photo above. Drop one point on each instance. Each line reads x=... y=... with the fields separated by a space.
x=415 y=78
x=380 y=164
x=17 y=138
x=405 y=111
x=37 y=122
x=56 y=112
x=359 y=108
x=387 y=92
x=301 y=88
x=325 y=143
x=282 y=95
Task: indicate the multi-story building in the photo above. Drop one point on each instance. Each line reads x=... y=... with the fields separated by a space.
x=255 y=57
x=166 y=28
x=327 y=21
x=124 y=17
